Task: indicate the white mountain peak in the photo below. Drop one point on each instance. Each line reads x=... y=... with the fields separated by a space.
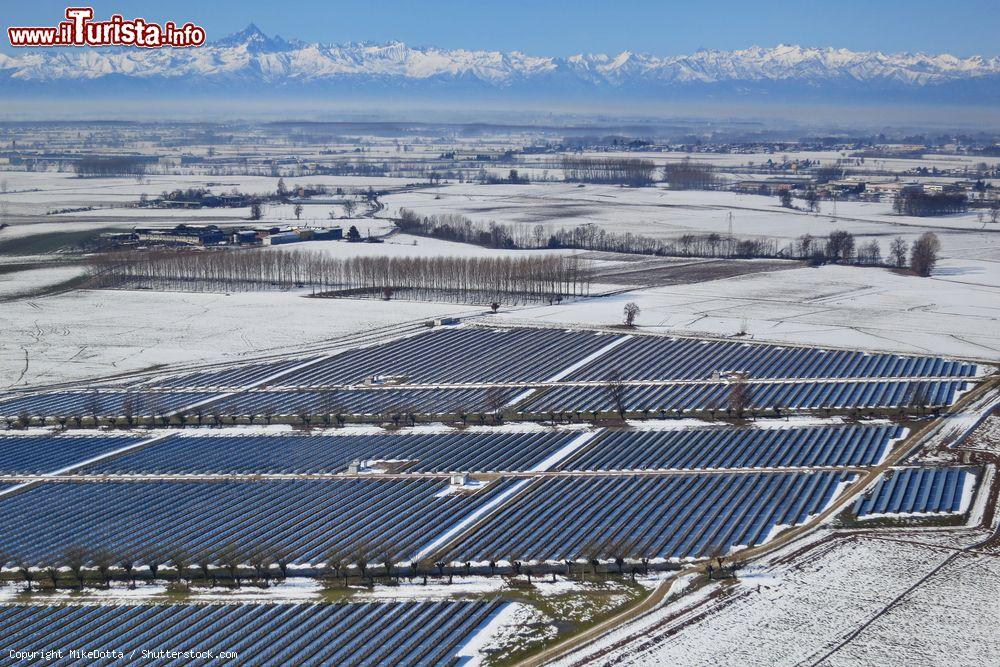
x=250 y=55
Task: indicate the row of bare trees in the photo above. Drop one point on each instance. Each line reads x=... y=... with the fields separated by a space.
x=465 y=279
x=912 y=201
x=615 y=171
x=105 y=167
x=838 y=246
x=77 y=566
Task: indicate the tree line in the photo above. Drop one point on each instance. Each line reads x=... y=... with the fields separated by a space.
x=464 y=279
x=613 y=171
x=912 y=201
x=366 y=563
x=839 y=246
x=105 y=167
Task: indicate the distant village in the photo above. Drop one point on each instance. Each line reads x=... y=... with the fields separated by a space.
x=213 y=235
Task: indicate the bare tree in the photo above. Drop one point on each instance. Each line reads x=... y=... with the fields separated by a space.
x=229 y=558
x=388 y=562
x=924 y=254
x=103 y=560
x=632 y=311
x=75 y=558
x=349 y=207
x=496 y=401
x=840 y=246
x=127 y=564
x=897 y=252
x=128 y=409
x=179 y=560
x=204 y=561
x=740 y=397
x=260 y=561
x=27 y=573
x=615 y=388
x=52 y=574
x=298 y=211
x=153 y=559
x=280 y=556
x=360 y=558
x=94 y=407
x=334 y=565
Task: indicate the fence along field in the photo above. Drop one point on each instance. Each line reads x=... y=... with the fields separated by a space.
x=410 y=633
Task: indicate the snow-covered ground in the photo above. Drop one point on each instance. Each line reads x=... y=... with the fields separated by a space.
x=38 y=192
x=832 y=305
x=950 y=619
x=25 y=283
x=406 y=245
x=86 y=333
x=794 y=611
x=662 y=213
x=986 y=437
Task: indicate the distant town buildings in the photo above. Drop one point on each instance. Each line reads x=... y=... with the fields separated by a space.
x=212 y=235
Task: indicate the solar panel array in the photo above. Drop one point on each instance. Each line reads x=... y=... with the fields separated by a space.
x=239 y=376
x=668 y=516
x=103 y=403
x=362 y=401
x=708 y=396
x=255 y=454
x=916 y=491
x=36 y=455
x=395 y=633
x=305 y=517
x=348 y=382
x=708 y=448
x=662 y=358
x=457 y=355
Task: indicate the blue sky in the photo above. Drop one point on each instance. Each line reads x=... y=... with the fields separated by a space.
x=557 y=27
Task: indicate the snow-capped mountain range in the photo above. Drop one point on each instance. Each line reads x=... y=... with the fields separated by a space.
x=251 y=57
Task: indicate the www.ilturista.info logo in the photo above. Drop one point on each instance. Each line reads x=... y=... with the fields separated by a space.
x=80 y=30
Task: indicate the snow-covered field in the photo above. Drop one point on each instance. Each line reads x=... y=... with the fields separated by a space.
x=18 y=283
x=36 y=192
x=95 y=333
x=87 y=333
x=73 y=336
x=661 y=213
x=795 y=611
x=950 y=619
x=405 y=245
x=831 y=305
x=986 y=437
